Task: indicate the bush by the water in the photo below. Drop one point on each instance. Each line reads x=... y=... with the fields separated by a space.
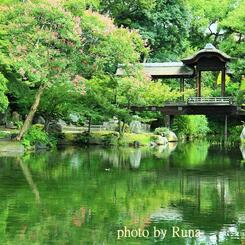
x=162 y=131
x=37 y=135
x=191 y=126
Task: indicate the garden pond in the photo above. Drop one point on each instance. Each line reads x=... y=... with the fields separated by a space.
x=89 y=195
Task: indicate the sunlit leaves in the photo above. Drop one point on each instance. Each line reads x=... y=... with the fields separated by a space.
x=106 y=45
x=163 y=24
x=42 y=42
x=236 y=19
x=3 y=90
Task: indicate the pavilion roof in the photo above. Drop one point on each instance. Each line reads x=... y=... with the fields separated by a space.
x=209 y=51
x=162 y=70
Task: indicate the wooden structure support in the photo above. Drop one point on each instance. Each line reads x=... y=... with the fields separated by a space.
x=182 y=87
x=223 y=75
x=198 y=83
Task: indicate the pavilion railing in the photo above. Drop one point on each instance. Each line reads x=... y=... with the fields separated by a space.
x=210 y=100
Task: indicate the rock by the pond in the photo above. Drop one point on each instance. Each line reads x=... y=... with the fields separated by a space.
x=41 y=146
x=11 y=148
x=40 y=120
x=74 y=117
x=15 y=116
x=3 y=119
x=112 y=124
x=161 y=140
x=10 y=125
x=61 y=122
x=135 y=127
x=172 y=137
x=54 y=127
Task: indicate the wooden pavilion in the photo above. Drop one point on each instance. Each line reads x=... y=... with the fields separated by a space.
x=207 y=59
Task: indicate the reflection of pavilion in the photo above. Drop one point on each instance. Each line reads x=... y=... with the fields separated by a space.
x=205 y=204
x=198 y=189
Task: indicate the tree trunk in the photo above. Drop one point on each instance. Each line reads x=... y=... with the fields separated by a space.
x=29 y=179
x=31 y=113
x=121 y=126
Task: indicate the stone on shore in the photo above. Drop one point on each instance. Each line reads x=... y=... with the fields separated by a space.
x=171 y=137
x=161 y=140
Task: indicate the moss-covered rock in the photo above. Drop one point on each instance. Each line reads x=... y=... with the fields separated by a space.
x=171 y=137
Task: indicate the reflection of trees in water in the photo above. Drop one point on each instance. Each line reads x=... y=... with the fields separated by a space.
x=125 y=157
x=164 y=151
x=29 y=179
x=132 y=157
x=208 y=203
x=77 y=200
x=135 y=158
x=191 y=154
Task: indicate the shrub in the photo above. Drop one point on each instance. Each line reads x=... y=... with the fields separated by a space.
x=162 y=131
x=37 y=135
x=234 y=133
x=110 y=139
x=191 y=126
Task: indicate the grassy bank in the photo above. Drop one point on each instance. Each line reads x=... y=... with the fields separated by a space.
x=112 y=138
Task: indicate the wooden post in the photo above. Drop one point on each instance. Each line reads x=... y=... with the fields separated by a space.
x=182 y=87
x=171 y=120
x=167 y=121
x=223 y=82
x=198 y=83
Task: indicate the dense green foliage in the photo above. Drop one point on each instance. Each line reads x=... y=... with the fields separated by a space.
x=162 y=131
x=163 y=24
x=71 y=50
x=221 y=23
x=3 y=90
x=191 y=126
x=36 y=135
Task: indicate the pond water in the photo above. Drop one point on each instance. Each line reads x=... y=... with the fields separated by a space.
x=95 y=195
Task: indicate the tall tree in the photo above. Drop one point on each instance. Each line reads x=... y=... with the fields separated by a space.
x=43 y=42
x=163 y=24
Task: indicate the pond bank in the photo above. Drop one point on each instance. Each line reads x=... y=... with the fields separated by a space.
x=113 y=138
x=37 y=139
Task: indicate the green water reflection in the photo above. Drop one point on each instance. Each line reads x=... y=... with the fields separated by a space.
x=84 y=196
